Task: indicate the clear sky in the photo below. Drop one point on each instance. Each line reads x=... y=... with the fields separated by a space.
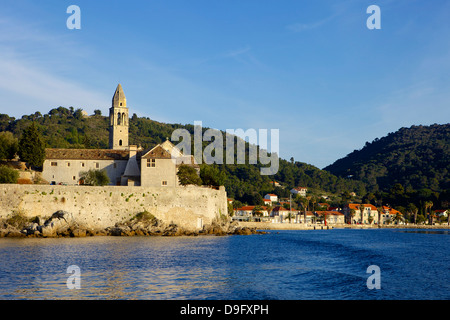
x=311 y=69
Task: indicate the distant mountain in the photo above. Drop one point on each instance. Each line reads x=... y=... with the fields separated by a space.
x=417 y=157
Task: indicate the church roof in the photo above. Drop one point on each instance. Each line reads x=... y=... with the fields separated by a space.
x=119 y=97
x=86 y=154
x=165 y=150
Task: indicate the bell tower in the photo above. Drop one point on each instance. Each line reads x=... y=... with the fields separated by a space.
x=118 y=121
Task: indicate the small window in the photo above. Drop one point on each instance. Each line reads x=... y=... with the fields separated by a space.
x=82 y=164
x=74 y=178
x=68 y=164
x=120 y=142
x=151 y=163
x=164 y=183
x=54 y=164
x=115 y=165
x=97 y=165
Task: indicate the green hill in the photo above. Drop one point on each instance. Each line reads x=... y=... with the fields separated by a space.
x=69 y=128
x=417 y=157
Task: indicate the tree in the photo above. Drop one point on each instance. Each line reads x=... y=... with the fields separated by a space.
x=31 y=147
x=412 y=209
x=8 y=145
x=8 y=175
x=211 y=175
x=429 y=205
x=352 y=215
x=257 y=211
x=94 y=178
x=361 y=210
x=188 y=175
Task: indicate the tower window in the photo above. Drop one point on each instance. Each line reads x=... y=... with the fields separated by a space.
x=119 y=118
x=120 y=142
x=121 y=104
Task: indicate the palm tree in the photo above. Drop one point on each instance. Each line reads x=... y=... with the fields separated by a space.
x=380 y=212
x=412 y=209
x=304 y=203
x=352 y=215
x=397 y=217
x=361 y=209
x=429 y=205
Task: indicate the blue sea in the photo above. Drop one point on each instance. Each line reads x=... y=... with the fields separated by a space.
x=279 y=265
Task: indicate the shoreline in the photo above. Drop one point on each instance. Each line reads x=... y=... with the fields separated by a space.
x=57 y=227
x=300 y=226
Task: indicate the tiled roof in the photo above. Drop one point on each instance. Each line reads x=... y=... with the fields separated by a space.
x=356 y=206
x=250 y=208
x=86 y=154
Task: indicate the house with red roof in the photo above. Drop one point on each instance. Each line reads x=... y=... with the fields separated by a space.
x=390 y=215
x=251 y=213
x=331 y=217
x=353 y=214
x=272 y=197
x=299 y=191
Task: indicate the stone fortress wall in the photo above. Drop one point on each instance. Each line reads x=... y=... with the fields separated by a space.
x=189 y=207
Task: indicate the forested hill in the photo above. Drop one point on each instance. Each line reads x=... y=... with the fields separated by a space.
x=68 y=128
x=417 y=157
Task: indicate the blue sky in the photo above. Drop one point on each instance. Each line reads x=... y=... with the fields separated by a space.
x=311 y=69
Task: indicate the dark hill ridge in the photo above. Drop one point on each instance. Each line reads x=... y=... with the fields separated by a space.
x=417 y=157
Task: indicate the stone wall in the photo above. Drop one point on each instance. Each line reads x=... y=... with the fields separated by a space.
x=189 y=207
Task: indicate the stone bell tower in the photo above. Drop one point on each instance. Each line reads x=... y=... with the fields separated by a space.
x=118 y=121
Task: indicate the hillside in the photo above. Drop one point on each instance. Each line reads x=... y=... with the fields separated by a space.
x=417 y=157
x=68 y=128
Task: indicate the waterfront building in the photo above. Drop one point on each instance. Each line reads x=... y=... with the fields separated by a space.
x=125 y=164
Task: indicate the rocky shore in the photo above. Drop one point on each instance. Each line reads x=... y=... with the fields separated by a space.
x=61 y=224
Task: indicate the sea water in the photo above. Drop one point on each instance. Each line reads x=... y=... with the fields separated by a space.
x=279 y=265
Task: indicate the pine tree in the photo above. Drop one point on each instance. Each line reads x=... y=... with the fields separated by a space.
x=31 y=147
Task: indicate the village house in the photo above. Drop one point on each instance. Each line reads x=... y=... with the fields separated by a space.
x=390 y=215
x=272 y=197
x=251 y=213
x=369 y=214
x=125 y=165
x=310 y=217
x=442 y=213
x=299 y=191
x=275 y=184
x=281 y=214
x=331 y=217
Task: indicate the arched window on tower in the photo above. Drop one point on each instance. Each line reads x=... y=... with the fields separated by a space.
x=123 y=119
x=120 y=142
x=119 y=118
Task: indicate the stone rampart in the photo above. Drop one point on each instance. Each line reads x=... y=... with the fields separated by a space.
x=189 y=207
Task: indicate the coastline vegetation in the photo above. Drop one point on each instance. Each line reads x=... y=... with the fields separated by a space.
x=406 y=170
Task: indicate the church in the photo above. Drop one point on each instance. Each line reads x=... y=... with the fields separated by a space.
x=125 y=165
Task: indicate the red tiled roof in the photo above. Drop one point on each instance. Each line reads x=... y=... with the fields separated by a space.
x=250 y=208
x=356 y=206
